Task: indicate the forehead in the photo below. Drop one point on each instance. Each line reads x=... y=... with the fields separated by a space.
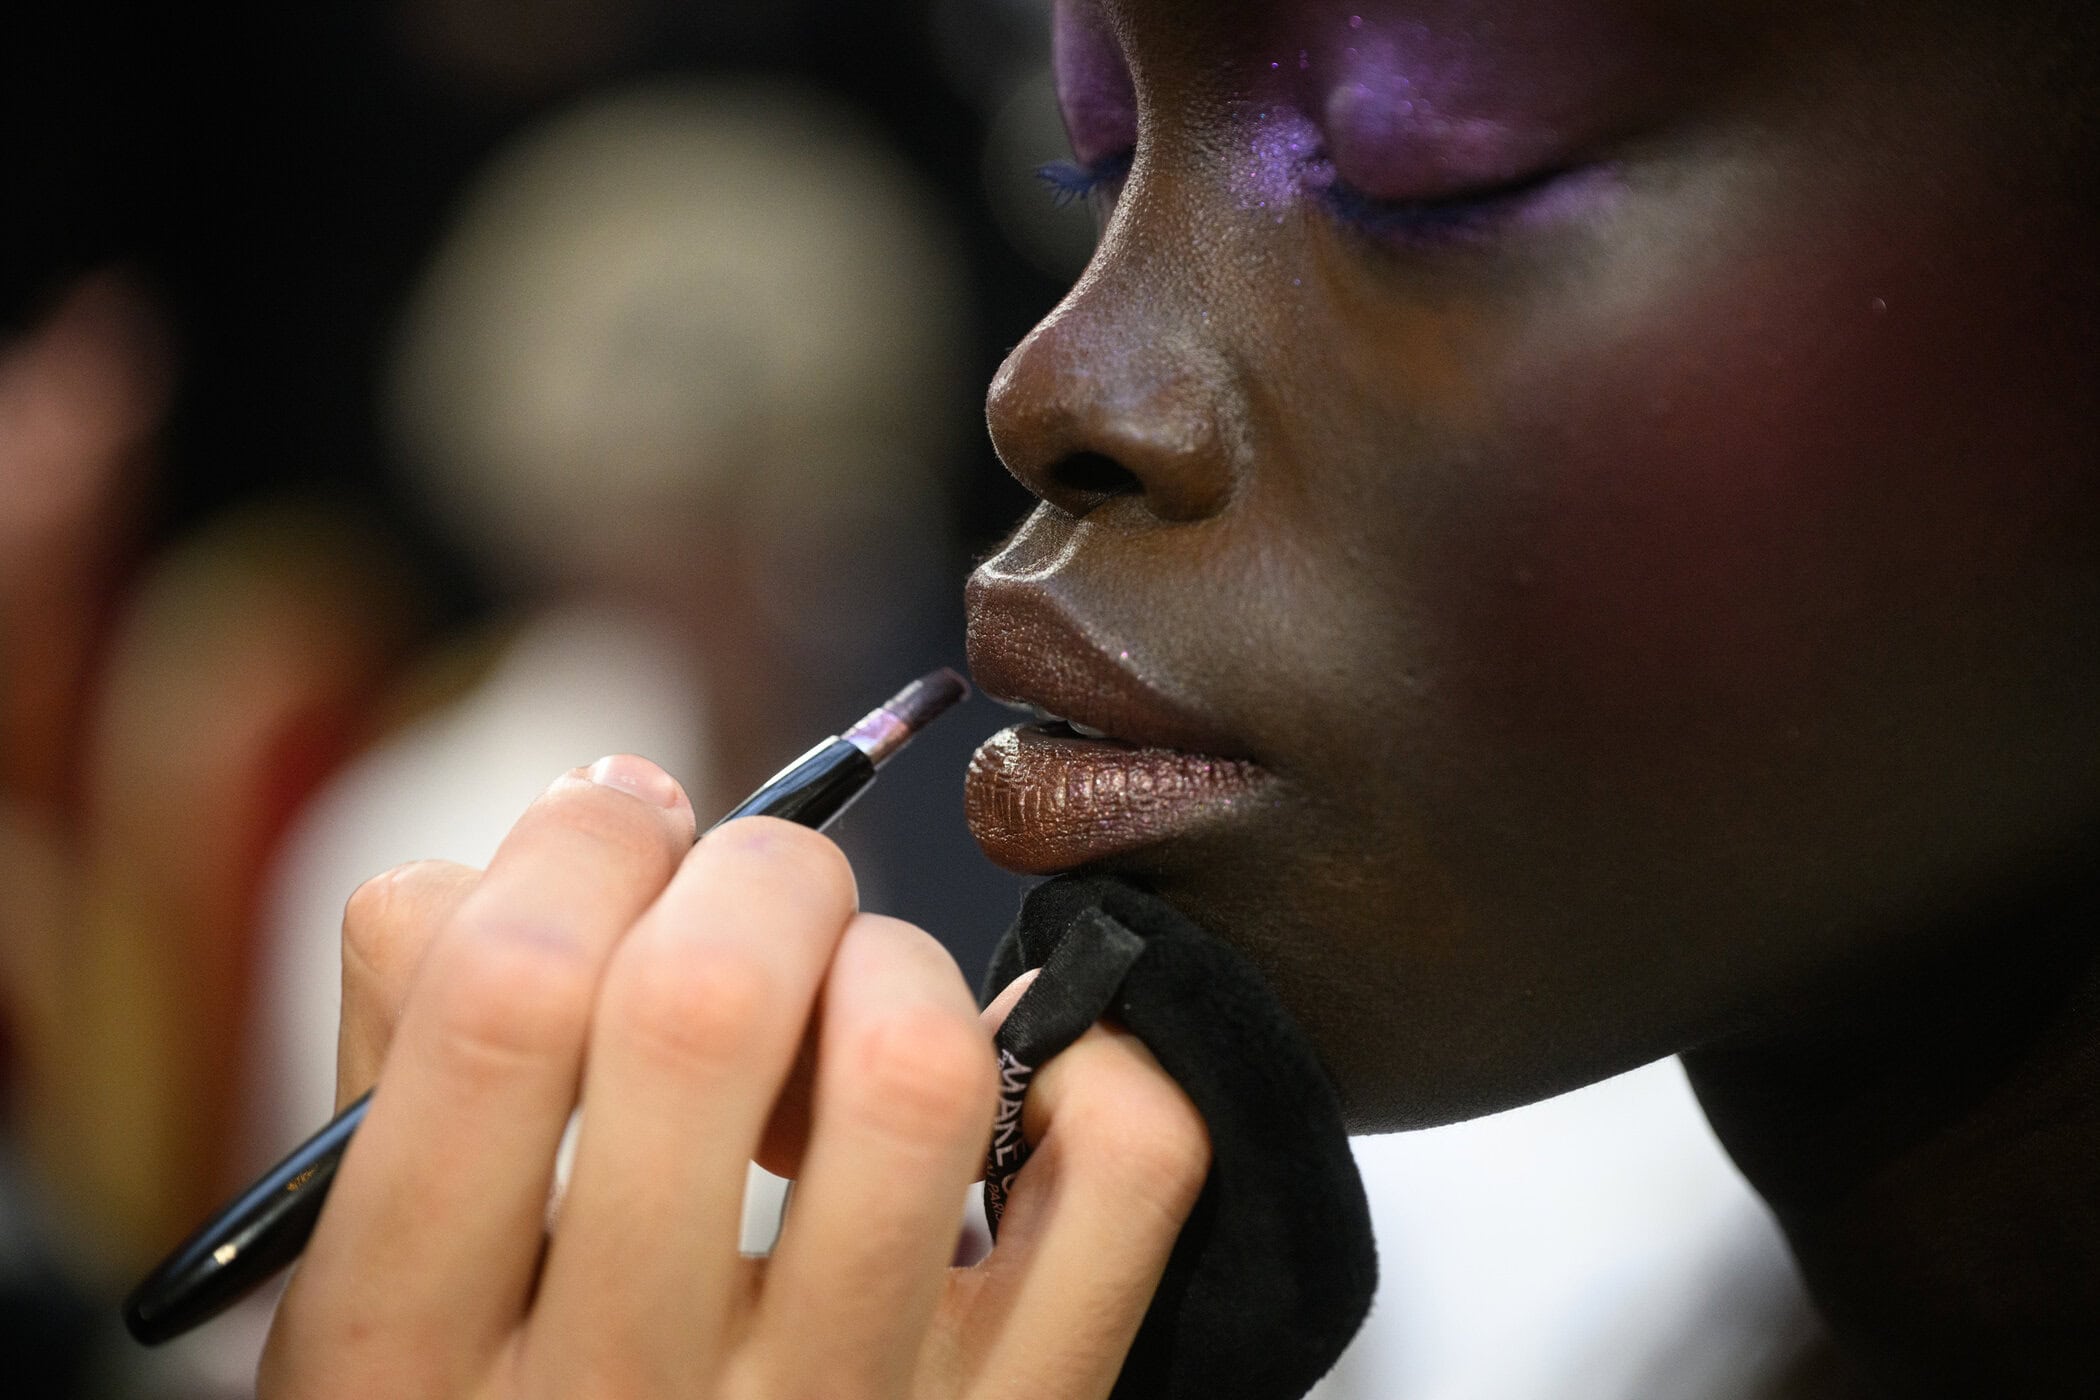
x=1193 y=27
x=1542 y=66
x=1184 y=54
x=2023 y=70
x=1177 y=41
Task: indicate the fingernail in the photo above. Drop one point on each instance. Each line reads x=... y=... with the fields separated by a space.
x=638 y=777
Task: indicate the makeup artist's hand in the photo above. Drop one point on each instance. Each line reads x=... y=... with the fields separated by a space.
x=711 y=1004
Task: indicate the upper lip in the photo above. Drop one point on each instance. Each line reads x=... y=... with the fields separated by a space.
x=1025 y=646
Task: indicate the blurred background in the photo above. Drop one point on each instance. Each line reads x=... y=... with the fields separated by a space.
x=402 y=402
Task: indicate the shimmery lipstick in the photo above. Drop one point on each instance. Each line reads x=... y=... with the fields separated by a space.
x=1040 y=798
x=1115 y=765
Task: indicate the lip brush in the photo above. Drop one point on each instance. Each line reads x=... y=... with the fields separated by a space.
x=264 y=1228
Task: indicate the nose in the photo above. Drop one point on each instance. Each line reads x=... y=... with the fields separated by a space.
x=1115 y=395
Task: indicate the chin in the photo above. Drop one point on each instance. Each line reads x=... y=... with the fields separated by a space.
x=1415 y=1018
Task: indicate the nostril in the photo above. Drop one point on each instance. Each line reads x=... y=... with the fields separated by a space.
x=1086 y=479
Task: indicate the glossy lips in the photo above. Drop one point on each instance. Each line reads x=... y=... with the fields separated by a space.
x=1041 y=798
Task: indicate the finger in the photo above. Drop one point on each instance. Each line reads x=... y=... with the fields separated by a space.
x=786 y=1137
x=1120 y=1157
x=696 y=1028
x=903 y=1100
x=387 y=927
x=787 y=1131
x=424 y=1256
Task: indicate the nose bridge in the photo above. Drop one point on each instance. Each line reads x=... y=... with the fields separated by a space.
x=1127 y=370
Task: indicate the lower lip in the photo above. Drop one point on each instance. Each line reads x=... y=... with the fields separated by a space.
x=1041 y=801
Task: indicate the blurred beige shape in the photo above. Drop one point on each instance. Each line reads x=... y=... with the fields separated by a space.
x=664 y=304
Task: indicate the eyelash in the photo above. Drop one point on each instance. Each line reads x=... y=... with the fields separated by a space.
x=1070 y=181
x=1445 y=220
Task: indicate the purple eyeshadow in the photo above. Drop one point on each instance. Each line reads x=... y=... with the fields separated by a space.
x=1403 y=131
x=1093 y=84
x=1280 y=141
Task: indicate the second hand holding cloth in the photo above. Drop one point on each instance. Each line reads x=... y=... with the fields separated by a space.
x=1275 y=1269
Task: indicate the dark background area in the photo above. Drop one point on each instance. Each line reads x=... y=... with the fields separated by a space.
x=277 y=174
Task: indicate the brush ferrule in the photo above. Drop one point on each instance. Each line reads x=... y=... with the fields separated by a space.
x=879 y=735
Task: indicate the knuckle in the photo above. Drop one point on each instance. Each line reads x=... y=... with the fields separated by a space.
x=924 y=1071
x=791 y=857
x=691 y=1008
x=509 y=991
x=1159 y=1147
x=1172 y=1162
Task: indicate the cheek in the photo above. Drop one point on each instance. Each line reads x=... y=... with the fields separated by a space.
x=1772 y=481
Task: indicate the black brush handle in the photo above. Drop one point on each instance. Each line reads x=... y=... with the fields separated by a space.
x=251 y=1238
x=812 y=790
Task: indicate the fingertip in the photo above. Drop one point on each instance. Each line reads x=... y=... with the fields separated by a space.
x=623 y=799
x=640 y=778
x=389 y=921
x=994 y=1015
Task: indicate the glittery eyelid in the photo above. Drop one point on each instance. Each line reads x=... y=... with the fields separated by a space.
x=1069 y=180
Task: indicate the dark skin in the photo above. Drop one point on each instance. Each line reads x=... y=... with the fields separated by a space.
x=1647 y=525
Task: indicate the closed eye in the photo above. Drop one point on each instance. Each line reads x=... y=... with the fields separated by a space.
x=1069 y=180
x=1462 y=217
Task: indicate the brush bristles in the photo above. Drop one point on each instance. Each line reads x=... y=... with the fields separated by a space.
x=927 y=697
x=889 y=727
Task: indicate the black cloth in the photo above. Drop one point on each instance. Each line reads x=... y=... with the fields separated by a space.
x=1275 y=1269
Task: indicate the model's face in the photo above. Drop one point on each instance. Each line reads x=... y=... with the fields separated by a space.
x=1591 y=506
